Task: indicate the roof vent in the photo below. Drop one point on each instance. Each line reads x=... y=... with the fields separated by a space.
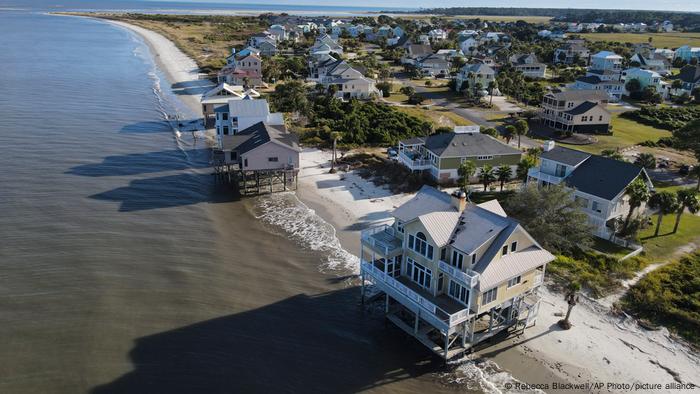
x=548 y=146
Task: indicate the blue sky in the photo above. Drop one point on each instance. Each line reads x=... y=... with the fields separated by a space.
x=668 y=5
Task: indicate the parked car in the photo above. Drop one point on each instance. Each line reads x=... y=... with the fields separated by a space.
x=685 y=169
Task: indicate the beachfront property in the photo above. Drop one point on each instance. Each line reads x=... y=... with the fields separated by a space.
x=576 y=111
x=220 y=95
x=570 y=53
x=474 y=75
x=243 y=69
x=237 y=115
x=598 y=183
x=451 y=273
x=528 y=64
x=441 y=154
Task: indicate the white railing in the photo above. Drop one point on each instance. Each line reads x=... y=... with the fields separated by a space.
x=536 y=173
x=414 y=164
x=403 y=294
x=470 y=279
x=368 y=238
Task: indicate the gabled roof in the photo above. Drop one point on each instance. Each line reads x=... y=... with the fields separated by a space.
x=690 y=74
x=419 y=50
x=466 y=145
x=607 y=54
x=603 y=177
x=253 y=108
x=584 y=107
x=580 y=95
x=476 y=227
x=257 y=135
x=566 y=156
x=477 y=68
x=427 y=200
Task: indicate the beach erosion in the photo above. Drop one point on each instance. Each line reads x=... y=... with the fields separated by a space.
x=328 y=215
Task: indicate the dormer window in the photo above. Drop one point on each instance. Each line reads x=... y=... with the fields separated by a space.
x=399 y=226
x=504 y=250
x=513 y=246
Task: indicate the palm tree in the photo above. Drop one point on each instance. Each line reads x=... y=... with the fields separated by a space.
x=696 y=171
x=508 y=133
x=687 y=199
x=524 y=166
x=572 y=299
x=638 y=193
x=486 y=175
x=521 y=128
x=503 y=174
x=492 y=85
x=466 y=170
x=666 y=203
x=646 y=160
x=335 y=136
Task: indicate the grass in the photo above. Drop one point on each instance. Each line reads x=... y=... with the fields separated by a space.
x=626 y=133
x=440 y=118
x=667 y=244
x=507 y=18
x=659 y=40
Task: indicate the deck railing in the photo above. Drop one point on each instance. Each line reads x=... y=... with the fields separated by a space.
x=368 y=238
x=414 y=164
x=431 y=313
x=469 y=278
x=536 y=173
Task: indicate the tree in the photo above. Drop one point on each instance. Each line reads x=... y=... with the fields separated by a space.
x=633 y=86
x=335 y=136
x=492 y=85
x=490 y=131
x=291 y=97
x=551 y=216
x=612 y=154
x=524 y=166
x=408 y=90
x=521 y=128
x=677 y=84
x=637 y=193
x=571 y=299
x=646 y=160
x=665 y=202
x=486 y=176
x=385 y=88
x=503 y=174
x=687 y=199
x=508 y=133
x=688 y=137
x=465 y=171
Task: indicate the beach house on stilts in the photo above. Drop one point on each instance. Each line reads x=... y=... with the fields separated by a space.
x=452 y=273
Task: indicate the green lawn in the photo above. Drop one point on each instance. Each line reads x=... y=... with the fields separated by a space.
x=439 y=117
x=659 y=40
x=626 y=132
x=607 y=247
x=666 y=244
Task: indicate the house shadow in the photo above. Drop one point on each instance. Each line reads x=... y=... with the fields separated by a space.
x=369 y=220
x=496 y=342
x=323 y=343
x=147 y=127
x=143 y=163
x=169 y=191
x=198 y=86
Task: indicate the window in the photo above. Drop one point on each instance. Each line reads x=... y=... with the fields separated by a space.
x=595 y=206
x=234 y=156
x=418 y=273
x=504 y=250
x=459 y=292
x=224 y=116
x=419 y=244
x=600 y=119
x=474 y=259
x=225 y=130
x=584 y=118
x=485 y=157
x=457 y=259
x=582 y=201
x=514 y=281
x=245 y=163
x=489 y=296
x=513 y=246
x=273 y=159
x=560 y=170
x=399 y=226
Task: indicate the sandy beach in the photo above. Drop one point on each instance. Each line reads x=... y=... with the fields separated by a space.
x=600 y=348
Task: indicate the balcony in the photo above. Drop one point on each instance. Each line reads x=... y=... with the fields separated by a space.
x=414 y=164
x=469 y=279
x=537 y=174
x=441 y=312
x=383 y=239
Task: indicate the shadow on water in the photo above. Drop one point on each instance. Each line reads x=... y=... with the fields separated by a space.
x=199 y=86
x=143 y=163
x=321 y=343
x=168 y=191
x=161 y=126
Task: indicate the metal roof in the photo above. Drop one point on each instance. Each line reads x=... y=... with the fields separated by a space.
x=427 y=200
x=512 y=265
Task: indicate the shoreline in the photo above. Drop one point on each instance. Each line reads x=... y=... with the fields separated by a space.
x=600 y=348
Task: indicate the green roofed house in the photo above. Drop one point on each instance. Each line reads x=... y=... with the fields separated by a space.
x=442 y=154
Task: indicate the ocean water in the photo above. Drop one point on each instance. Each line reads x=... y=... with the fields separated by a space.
x=124 y=266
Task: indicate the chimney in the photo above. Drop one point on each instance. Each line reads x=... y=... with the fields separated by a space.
x=233 y=51
x=547 y=146
x=459 y=200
